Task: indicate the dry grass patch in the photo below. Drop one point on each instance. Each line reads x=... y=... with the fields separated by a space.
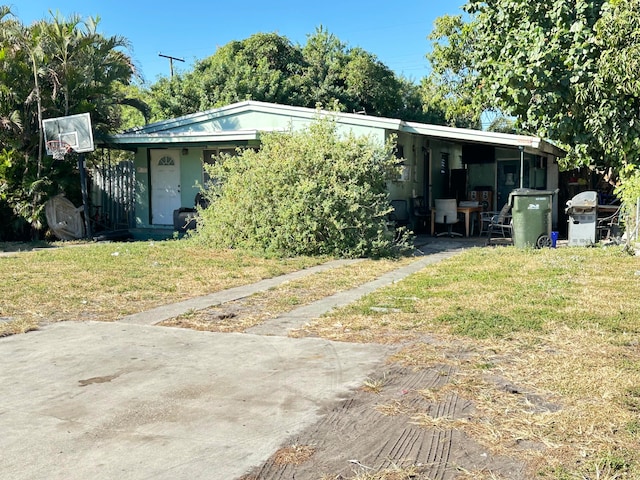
x=107 y=281
x=374 y=385
x=543 y=343
x=359 y=328
x=392 y=409
x=293 y=455
x=15 y=327
x=407 y=473
x=239 y=315
x=479 y=475
x=529 y=406
x=569 y=406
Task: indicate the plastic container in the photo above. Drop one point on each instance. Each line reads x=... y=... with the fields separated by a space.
x=531 y=217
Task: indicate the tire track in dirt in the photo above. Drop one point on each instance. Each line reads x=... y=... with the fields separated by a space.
x=354 y=437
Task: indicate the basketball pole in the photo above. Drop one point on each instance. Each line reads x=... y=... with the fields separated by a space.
x=85 y=195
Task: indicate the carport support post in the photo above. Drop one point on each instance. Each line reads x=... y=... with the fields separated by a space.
x=85 y=196
x=521 y=148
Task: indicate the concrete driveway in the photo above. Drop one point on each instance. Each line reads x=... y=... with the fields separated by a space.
x=113 y=400
x=130 y=400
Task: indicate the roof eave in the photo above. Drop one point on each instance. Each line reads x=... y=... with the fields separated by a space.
x=483 y=137
x=181 y=138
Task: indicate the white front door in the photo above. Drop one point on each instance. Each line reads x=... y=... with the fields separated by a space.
x=165 y=185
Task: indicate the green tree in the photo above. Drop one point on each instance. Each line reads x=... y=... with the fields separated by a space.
x=371 y=85
x=567 y=70
x=269 y=68
x=173 y=97
x=417 y=107
x=452 y=86
x=264 y=67
x=356 y=80
x=324 y=61
x=49 y=69
x=87 y=71
x=309 y=192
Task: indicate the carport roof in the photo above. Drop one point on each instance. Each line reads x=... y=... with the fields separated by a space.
x=188 y=129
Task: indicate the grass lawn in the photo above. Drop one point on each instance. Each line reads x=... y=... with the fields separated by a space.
x=545 y=343
x=110 y=280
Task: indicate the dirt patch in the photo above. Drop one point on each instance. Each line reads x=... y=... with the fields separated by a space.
x=374 y=431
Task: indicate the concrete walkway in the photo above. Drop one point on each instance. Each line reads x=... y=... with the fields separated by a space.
x=428 y=251
x=130 y=400
x=165 y=312
x=298 y=317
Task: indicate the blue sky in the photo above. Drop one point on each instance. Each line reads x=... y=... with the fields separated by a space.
x=192 y=29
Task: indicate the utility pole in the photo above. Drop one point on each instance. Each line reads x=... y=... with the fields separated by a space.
x=171 y=59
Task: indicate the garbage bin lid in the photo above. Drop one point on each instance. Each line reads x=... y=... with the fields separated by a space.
x=529 y=192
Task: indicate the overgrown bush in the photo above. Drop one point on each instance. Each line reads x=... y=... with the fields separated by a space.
x=308 y=192
x=628 y=191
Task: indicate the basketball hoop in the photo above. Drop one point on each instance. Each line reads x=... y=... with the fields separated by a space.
x=58 y=149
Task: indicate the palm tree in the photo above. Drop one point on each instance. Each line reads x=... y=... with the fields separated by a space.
x=86 y=69
x=55 y=68
x=9 y=117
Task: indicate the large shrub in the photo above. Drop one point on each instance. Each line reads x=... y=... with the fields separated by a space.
x=308 y=192
x=628 y=191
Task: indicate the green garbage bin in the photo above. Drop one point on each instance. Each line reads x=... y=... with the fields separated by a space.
x=531 y=217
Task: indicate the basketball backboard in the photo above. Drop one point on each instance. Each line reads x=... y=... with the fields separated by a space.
x=74 y=130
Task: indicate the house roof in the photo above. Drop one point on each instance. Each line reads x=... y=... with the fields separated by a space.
x=220 y=125
x=168 y=137
x=266 y=108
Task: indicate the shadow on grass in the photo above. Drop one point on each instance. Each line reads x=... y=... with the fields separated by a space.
x=24 y=246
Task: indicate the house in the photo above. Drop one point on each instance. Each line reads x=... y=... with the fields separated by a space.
x=437 y=161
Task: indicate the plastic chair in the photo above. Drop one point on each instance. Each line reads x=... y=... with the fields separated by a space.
x=500 y=223
x=447 y=214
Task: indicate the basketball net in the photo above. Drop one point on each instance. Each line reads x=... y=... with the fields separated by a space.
x=58 y=149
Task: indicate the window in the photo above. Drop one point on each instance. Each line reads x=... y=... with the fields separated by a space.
x=166 y=160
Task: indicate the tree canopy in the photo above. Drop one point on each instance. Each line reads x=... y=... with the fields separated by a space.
x=269 y=67
x=52 y=68
x=567 y=70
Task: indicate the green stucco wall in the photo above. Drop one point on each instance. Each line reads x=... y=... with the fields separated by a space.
x=190 y=175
